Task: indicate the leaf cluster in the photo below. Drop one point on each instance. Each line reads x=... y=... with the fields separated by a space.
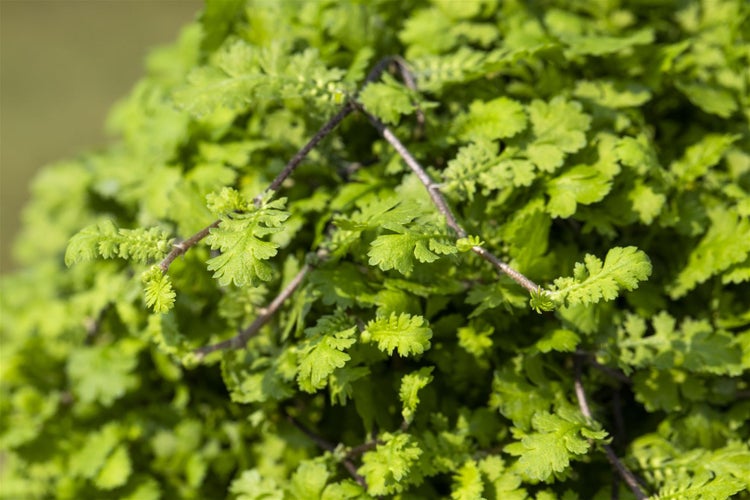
x=196 y=319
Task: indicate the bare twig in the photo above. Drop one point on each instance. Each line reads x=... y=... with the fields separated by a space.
x=620 y=467
x=242 y=337
x=442 y=205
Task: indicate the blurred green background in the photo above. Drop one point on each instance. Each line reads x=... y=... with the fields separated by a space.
x=63 y=63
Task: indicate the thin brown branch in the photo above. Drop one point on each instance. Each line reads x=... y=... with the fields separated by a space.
x=267 y=313
x=182 y=247
x=620 y=467
x=326 y=129
x=442 y=205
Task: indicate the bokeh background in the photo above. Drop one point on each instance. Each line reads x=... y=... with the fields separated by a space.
x=63 y=63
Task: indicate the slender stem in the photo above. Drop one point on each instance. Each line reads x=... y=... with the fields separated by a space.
x=620 y=467
x=326 y=129
x=243 y=336
x=505 y=268
x=442 y=205
x=184 y=246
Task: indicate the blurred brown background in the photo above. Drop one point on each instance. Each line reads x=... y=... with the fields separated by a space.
x=63 y=63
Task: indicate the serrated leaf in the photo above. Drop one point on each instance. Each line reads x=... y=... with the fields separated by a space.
x=387 y=467
x=398 y=251
x=727 y=242
x=593 y=280
x=241 y=73
x=387 y=100
x=559 y=128
x=411 y=384
x=613 y=94
x=582 y=184
x=158 y=290
x=700 y=157
x=102 y=373
x=646 y=202
x=496 y=119
x=116 y=470
x=394 y=251
x=250 y=485
x=467 y=482
x=309 y=480
x=409 y=335
x=243 y=252
x=599 y=45
x=556 y=441
x=106 y=240
x=324 y=351
x=712 y=99
x=560 y=340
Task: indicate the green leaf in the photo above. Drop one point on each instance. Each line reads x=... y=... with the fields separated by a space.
x=394 y=251
x=411 y=384
x=89 y=457
x=103 y=374
x=241 y=73
x=727 y=242
x=386 y=469
x=250 y=485
x=557 y=439
x=243 y=252
x=475 y=338
x=463 y=172
x=344 y=490
x=599 y=45
x=323 y=351
x=398 y=251
x=613 y=94
x=710 y=98
x=116 y=470
x=496 y=119
x=637 y=153
x=559 y=340
x=700 y=157
x=309 y=480
x=584 y=184
x=387 y=100
x=341 y=285
x=106 y=240
x=158 y=290
x=559 y=128
x=593 y=280
x=647 y=203
x=467 y=482
x=466 y=244
x=407 y=334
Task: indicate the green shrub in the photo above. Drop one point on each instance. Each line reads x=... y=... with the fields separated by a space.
x=243 y=315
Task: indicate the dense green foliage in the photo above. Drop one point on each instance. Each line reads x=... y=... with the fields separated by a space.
x=600 y=148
